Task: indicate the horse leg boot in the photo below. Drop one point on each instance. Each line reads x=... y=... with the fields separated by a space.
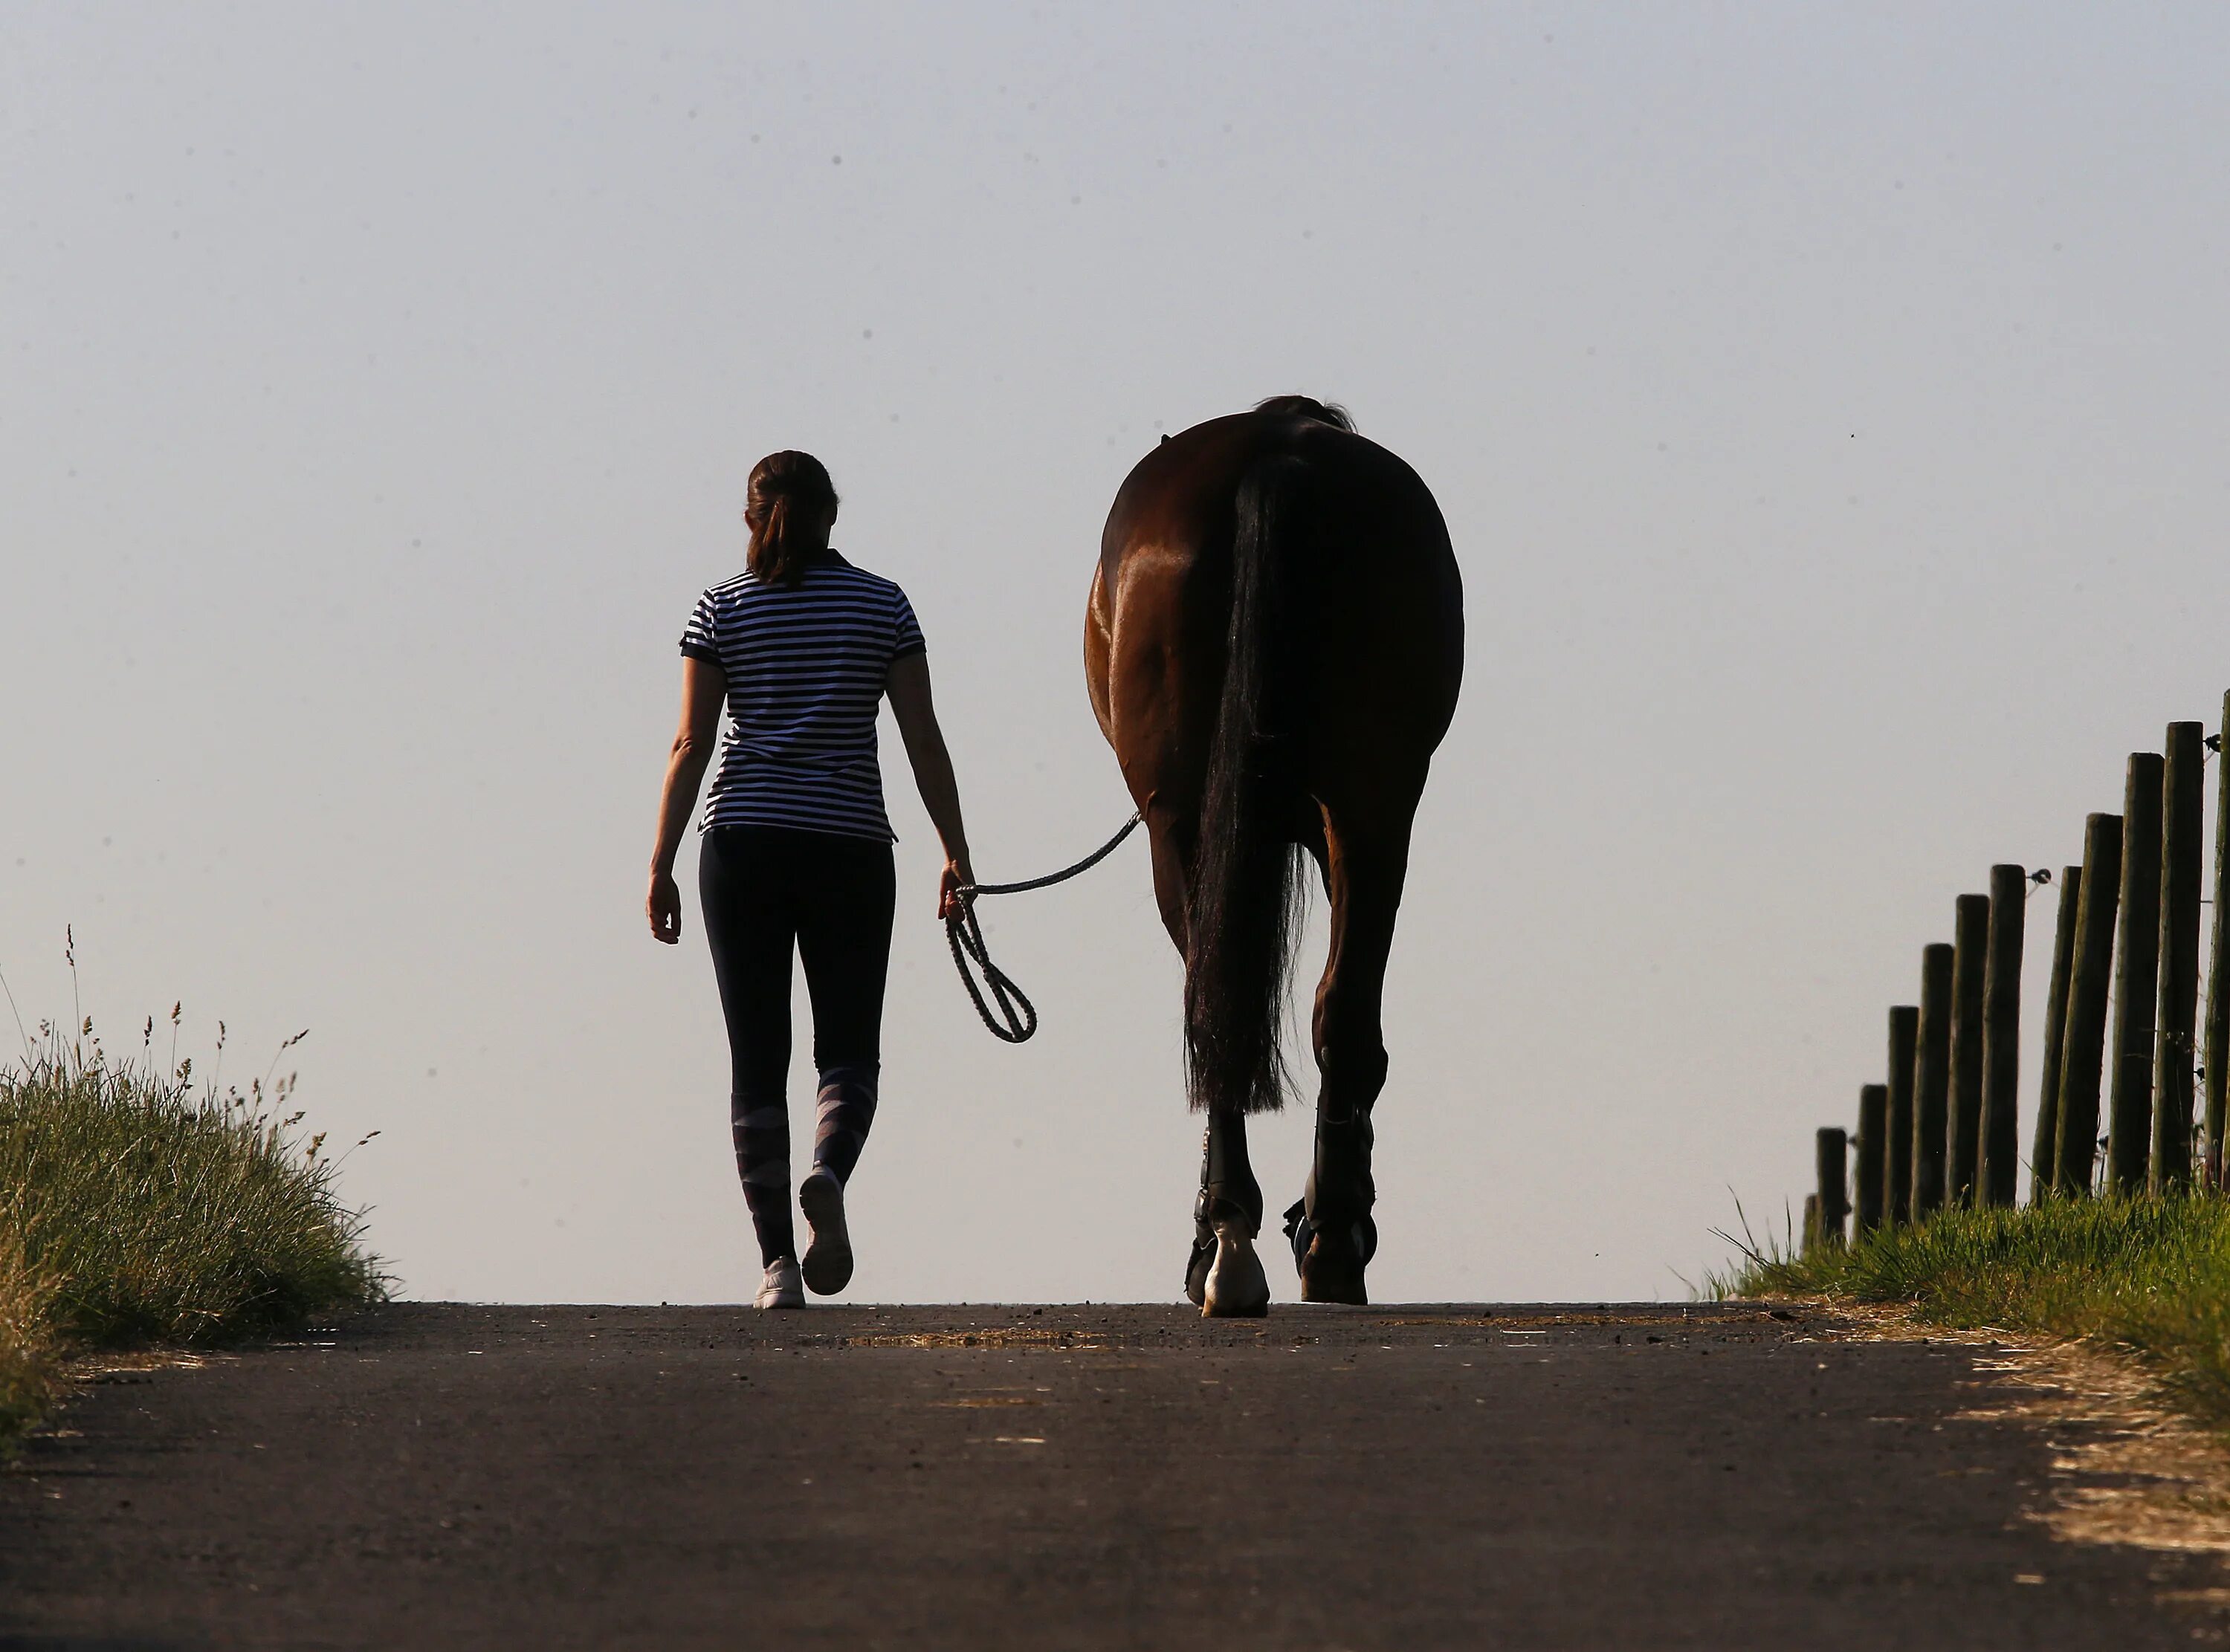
x=1334 y=1237
x=1224 y=1278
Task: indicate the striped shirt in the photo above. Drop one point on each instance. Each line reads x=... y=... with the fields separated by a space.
x=806 y=670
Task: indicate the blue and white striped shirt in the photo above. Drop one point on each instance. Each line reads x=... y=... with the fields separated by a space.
x=806 y=670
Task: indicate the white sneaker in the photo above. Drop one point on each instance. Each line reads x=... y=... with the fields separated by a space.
x=780 y=1288
x=828 y=1258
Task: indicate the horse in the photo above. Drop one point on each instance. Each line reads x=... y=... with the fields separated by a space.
x=1273 y=648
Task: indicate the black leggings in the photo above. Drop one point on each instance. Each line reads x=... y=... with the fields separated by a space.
x=766 y=889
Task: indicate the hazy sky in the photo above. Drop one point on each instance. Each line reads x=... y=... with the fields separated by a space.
x=1829 y=406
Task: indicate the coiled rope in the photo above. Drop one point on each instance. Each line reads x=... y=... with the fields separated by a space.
x=1017 y=1017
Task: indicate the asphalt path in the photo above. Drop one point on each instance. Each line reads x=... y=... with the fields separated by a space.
x=1414 y=1477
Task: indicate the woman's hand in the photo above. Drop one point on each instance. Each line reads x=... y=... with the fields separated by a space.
x=959 y=875
x=665 y=907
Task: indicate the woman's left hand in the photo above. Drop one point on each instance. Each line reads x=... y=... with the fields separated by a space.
x=665 y=907
x=958 y=876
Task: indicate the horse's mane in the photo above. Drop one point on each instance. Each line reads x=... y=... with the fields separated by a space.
x=1307 y=407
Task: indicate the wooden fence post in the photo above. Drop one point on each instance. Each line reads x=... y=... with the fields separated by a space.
x=1970 y=944
x=2055 y=1031
x=1904 y=1034
x=1832 y=1202
x=2084 y=1047
x=2183 y=834
x=2217 y=1059
x=1931 y=1081
x=2137 y=981
x=1873 y=1121
x=1998 y=1178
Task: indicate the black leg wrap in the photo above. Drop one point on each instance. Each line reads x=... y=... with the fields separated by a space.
x=1332 y=1233
x=1226 y=1181
x=1301 y=1230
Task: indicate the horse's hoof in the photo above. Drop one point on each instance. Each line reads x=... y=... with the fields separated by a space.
x=1349 y=1290
x=1197 y=1266
x=1329 y=1277
x=1236 y=1287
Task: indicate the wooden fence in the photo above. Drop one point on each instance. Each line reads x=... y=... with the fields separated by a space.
x=2122 y=1026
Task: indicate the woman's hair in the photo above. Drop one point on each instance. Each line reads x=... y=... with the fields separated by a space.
x=789 y=504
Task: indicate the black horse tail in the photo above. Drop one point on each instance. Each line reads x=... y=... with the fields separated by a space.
x=1246 y=902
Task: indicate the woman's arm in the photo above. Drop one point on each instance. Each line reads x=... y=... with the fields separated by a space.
x=704 y=686
x=908 y=686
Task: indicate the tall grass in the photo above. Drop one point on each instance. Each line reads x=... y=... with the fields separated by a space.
x=2150 y=1276
x=136 y=1209
x=30 y=1371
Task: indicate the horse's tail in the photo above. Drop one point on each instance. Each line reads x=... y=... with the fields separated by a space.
x=1246 y=899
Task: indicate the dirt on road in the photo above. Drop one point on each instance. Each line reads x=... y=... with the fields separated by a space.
x=1408 y=1477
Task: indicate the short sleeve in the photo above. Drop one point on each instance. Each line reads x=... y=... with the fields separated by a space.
x=700 y=637
x=906 y=638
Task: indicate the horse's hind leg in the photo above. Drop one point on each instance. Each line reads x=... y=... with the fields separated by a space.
x=1222 y=1275
x=1224 y=1278
x=1333 y=1231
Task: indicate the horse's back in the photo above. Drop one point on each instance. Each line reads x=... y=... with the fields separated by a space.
x=1385 y=600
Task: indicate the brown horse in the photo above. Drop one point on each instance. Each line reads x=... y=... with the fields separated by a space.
x=1274 y=649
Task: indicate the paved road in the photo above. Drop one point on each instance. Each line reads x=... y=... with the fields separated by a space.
x=1408 y=1477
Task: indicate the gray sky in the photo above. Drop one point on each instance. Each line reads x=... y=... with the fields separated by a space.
x=1828 y=404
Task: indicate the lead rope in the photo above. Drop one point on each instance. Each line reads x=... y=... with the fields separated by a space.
x=1017 y=1018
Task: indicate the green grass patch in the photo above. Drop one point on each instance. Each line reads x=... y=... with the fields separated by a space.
x=2149 y=1276
x=30 y=1371
x=135 y=1211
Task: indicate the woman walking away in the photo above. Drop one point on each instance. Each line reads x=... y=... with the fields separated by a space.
x=796 y=849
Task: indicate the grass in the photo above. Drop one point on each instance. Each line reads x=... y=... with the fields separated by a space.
x=2147 y=1277
x=137 y=1210
x=30 y=1373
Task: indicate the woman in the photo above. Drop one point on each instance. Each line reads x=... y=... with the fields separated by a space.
x=800 y=647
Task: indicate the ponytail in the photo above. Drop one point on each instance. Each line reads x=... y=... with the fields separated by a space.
x=789 y=504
